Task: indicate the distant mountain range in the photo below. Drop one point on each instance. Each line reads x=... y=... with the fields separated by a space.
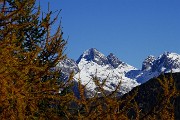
x=93 y=63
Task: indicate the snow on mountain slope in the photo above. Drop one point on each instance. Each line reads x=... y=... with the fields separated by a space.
x=93 y=63
x=165 y=63
x=67 y=66
x=95 y=56
x=147 y=63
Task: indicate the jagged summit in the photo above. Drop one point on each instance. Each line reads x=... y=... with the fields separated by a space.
x=67 y=66
x=95 y=56
x=148 y=62
x=164 y=63
x=94 y=63
x=113 y=60
x=167 y=62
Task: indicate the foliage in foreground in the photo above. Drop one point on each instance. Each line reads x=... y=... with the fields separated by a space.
x=28 y=55
x=30 y=84
x=109 y=106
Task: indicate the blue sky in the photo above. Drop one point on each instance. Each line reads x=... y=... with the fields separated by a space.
x=131 y=29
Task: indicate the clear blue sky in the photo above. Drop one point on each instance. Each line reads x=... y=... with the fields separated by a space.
x=131 y=29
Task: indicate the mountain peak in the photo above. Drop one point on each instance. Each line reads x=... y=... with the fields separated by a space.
x=167 y=62
x=113 y=60
x=148 y=62
x=67 y=66
x=92 y=52
x=169 y=55
x=94 y=55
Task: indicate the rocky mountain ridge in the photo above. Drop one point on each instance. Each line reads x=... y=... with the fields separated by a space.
x=93 y=63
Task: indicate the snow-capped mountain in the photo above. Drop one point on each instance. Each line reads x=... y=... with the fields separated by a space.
x=68 y=66
x=147 y=63
x=93 y=63
x=165 y=63
x=95 y=56
x=113 y=60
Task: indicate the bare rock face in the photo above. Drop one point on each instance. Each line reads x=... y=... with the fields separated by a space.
x=148 y=63
x=95 y=56
x=67 y=66
x=113 y=60
x=167 y=62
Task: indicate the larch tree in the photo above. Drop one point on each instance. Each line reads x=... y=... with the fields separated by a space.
x=29 y=82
